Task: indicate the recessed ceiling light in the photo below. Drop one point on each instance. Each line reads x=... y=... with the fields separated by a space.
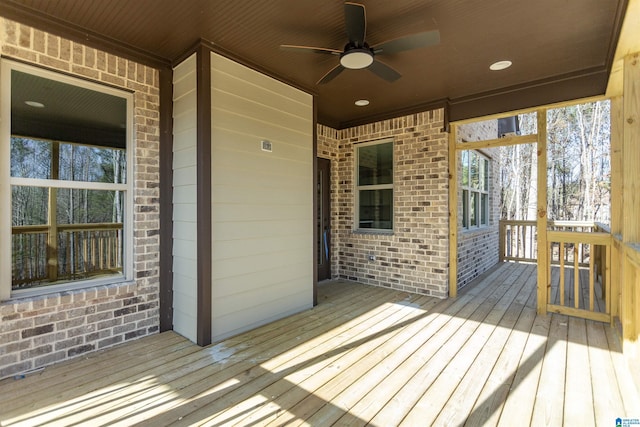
x=362 y=102
x=35 y=104
x=500 y=65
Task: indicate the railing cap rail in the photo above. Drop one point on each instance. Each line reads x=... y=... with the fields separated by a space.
x=26 y=229
x=565 y=223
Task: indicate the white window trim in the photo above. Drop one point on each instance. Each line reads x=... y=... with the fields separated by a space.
x=6 y=181
x=469 y=190
x=373 y=187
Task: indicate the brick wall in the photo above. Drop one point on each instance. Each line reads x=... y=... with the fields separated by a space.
x=478 y=250
x=327 y=141
x=415 y=257
x=38 y=331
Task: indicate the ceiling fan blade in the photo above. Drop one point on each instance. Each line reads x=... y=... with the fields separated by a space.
x=332 y=74
x=356 y=23
x=414 y=41
x=310 y=49
x=384 y=71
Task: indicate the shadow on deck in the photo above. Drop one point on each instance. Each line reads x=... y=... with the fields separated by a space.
x=364 y=355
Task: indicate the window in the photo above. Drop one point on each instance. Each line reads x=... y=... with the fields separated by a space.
x=374 y=193
x=68 y=195
x=475 y=190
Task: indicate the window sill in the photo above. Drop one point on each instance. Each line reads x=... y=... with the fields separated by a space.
x=69 y=287
x=375 y=232
x=479 y=230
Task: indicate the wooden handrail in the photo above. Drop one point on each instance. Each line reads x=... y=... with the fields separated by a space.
x=30 y=229
x=570 y=224
x=577 y=237
x=90 y=227
x=517 y=222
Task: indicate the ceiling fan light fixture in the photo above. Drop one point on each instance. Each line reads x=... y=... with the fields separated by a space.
x=356 y=59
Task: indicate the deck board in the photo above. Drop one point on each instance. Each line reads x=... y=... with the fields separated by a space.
x=363 y=356
x=549 y=404
x=578 y=389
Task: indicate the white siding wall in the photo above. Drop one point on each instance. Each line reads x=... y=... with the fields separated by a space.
x=262 y=202
x=184 y=198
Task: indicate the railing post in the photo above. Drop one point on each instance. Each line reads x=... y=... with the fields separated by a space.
x=502 y=236
x=453 y=213
x=607 y=274
x=52 y=219
x=543 y=247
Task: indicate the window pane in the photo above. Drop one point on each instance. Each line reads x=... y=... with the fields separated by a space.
x=375 y=164
x=78 y=206
x=480 y=173
x=486 y=174
x=475 y=171
x=92 y=164
x=376 y=209
x=89 y=251
x=88 y=241
x=465 y=168
x=29 y=259
x=30 y=158
x=66 y=112
x=29 y=205
x=473 y=213
x=465 y=208
x=484 y=209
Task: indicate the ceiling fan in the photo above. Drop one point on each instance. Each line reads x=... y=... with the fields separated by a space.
x=357 y=53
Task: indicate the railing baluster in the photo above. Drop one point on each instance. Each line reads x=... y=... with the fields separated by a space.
x=576 y=278
x=85 y=252
x=78 y=265
x=100 y=250
x=591 y=282
x=562 y=272
x=94 y=250
x=606 y=289
x=108 y=247
x=548 y=284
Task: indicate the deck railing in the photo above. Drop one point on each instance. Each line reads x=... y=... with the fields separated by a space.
x=586 y=255
x=581 y=253
x=79 y=251
x=518 y=241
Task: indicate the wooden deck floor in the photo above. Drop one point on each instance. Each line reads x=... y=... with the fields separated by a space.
x=364 y=355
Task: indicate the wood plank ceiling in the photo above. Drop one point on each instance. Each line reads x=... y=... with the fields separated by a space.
x=560 y=49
